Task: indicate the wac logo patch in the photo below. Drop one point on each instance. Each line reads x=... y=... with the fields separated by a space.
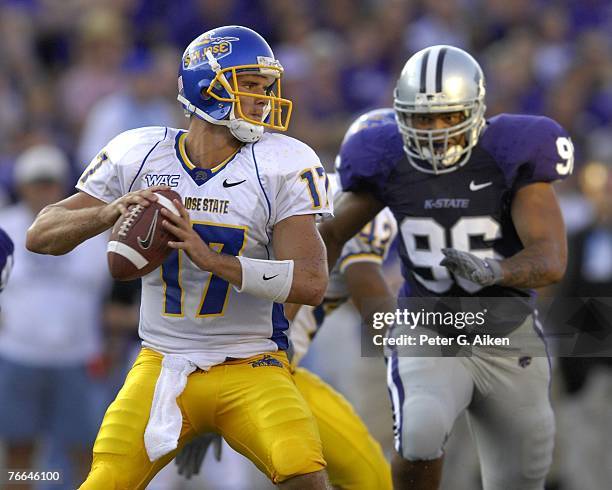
x=162 y=179
x=220 y=47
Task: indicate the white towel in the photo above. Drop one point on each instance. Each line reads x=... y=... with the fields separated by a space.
x=165 y=421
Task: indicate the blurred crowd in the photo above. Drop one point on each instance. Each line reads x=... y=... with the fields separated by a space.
x=74 y=73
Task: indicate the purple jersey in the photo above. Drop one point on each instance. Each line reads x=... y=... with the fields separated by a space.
x=468 y=209
x=6 y=257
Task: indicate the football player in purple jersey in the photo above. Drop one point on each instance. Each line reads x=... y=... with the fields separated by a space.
x=478 y=219
x=6 y=257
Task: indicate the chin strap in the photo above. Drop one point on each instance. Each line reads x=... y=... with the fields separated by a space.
x=244 y=131
x=240 y=129
x=212 y=61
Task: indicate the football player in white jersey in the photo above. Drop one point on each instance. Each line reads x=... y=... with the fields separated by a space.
x=354 y=458
x=212 y=324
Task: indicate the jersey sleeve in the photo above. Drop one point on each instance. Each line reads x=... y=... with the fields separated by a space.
x=551 y=157
x=111 y=172
x=367 y=157
x=303 y=184
x=372 y=243
x=530 y=149
x=100 y=179
x=6 y=257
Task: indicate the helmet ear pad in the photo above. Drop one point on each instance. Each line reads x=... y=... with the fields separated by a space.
x=218 y=110
x=203 y=88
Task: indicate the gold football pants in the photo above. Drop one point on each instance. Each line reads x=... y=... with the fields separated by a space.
x=253 y=403
x=355 y=460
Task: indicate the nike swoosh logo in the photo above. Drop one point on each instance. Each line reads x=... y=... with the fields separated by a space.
x=232 y=184
x=268 y=278
x=476 y=187
x=145 y=243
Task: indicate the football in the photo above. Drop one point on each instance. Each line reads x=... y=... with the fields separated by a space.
x=138 y=242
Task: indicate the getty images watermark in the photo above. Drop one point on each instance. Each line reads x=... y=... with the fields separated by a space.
x=508 y=326
x=437 y=320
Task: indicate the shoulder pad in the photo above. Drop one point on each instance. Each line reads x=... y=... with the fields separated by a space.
x=367 y=157
x=283 y=154
x=130 y=145
x=529 y=148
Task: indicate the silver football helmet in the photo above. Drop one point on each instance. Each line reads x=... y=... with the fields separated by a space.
x=440 y=79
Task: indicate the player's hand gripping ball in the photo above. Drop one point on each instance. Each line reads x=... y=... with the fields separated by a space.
x=139 y=243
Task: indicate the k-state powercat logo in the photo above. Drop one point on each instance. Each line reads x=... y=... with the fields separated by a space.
x=162 y=179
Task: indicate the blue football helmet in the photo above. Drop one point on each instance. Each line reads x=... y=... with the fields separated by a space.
x=6 y=257
x=208 y=83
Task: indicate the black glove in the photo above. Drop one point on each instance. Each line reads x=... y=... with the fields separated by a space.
x=189 y=459
x=485 y=272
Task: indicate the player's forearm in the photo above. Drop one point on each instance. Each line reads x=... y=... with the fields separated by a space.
x=310 y=278
x=334 y=250
x=291 y=310
x=537 y=265
x=353 y=210
x=58 y=230
x=227 y=267
x=332 y=243
x=369 y=290
x=308 y=284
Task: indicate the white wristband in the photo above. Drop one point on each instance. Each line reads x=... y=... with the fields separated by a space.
x=268 y=279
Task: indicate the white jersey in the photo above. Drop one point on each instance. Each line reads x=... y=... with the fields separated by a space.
x=234 y=208
x=371 y=244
